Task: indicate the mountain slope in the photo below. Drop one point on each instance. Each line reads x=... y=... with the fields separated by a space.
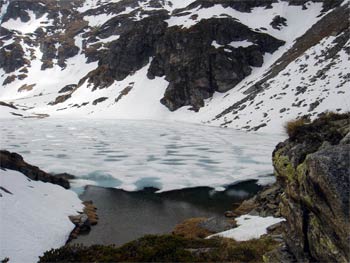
x=249 y=65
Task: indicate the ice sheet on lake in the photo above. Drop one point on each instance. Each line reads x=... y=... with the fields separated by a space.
x=136 y=154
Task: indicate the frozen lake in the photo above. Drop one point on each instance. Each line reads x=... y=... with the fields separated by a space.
x=132 y=155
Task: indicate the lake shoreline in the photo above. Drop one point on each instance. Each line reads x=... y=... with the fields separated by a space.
x=125 y=216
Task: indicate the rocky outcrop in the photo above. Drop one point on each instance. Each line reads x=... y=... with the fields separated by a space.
x=17 y=9
x=67 y=88
x=14 y=161
x=196 y=68
x=8 y=105
x=333 y=24
x=99 y=100
x=131 y=52
x=313 y=168
x=278 y=22
x=12 y=57
x=84 y=220
x=265 y=203
x=187 y=58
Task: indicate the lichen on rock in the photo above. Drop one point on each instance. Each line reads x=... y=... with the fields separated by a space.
x=313 y=168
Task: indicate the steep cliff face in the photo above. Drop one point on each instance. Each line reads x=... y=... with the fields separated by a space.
x=313 y=168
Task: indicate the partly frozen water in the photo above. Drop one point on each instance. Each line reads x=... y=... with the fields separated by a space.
x=132 y=155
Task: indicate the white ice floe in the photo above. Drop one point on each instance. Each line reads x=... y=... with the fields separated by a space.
x=34 y=216
x=134 y=154
x=249 y=227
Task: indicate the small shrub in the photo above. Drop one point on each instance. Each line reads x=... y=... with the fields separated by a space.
x=293 y=126
x=327 y=127
x=190 y=228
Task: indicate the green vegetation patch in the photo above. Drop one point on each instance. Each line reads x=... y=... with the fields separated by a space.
x=166 y=248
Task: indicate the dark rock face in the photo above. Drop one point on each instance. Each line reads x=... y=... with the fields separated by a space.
x=17 y=9
x=67 y=88
x=61 y=99
x=66 y=50
x=196 y=69
x=12 y=57
x=265 y=203
x=134 y=48
x=14 y=161
x=186 y=57
x=278 y=22
x=48 y=48
x=99 y=100
x=314 y=173
x=8 y=105
x=328 y=186
x=5 y=34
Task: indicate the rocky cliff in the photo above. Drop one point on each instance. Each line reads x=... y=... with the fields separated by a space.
x=313 y=168
x=249 y=65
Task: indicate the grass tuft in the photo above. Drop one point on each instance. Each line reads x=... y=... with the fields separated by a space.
x=292 y=127
x=329 y=126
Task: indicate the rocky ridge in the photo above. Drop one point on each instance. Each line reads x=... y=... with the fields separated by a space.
x=222 y=75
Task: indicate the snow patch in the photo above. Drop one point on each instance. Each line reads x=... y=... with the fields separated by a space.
x=34 y=216
x=27 y=27
x=98 y=20
x=243 y=43
x=234 y=44
x=249 y=227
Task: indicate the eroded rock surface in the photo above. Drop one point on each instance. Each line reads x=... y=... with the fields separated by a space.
x=313 y=167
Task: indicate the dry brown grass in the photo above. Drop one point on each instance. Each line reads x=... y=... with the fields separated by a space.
x=190 y=228
x=291 y=127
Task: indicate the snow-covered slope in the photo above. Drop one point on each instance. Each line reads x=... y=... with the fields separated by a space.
x=34 y=216
x=107 y=59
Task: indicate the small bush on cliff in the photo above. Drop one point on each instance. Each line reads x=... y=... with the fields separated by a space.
x=166 y=248
x=325 y=128
x=292 y=127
